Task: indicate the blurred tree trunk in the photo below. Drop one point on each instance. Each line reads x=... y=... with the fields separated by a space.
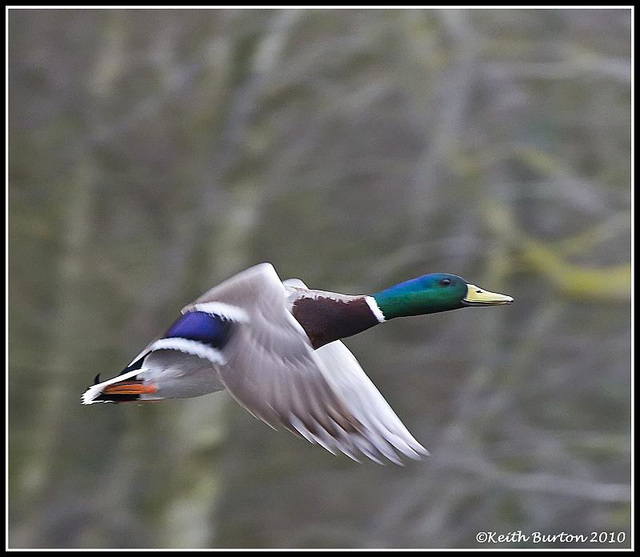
x=73 y=316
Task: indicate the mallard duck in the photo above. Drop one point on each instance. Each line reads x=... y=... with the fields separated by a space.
x=275 y=346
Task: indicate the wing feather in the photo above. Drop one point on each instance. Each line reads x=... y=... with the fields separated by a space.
x=273 y=371
x=385 y=430
x=368 y=405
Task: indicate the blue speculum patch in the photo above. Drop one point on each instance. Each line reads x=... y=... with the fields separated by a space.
x=202 y=327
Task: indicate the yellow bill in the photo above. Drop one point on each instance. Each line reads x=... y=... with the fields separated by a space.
x=476 y=296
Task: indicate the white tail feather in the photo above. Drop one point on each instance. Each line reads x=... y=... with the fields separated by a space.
x=90 y=395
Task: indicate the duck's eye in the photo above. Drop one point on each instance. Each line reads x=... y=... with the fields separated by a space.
x=445 y=282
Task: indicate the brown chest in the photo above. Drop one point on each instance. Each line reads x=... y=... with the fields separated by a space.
x=327 y=319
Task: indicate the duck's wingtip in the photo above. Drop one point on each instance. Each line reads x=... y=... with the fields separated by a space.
x=264 y=267
x=417 y=451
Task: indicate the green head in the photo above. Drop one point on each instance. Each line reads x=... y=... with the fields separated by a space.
x=434 y=293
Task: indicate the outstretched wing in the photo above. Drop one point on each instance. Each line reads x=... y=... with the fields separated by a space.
x=271 y=368
x=365 y=401
x=367 y=404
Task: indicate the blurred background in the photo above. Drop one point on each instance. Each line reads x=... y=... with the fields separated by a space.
x=154 y=153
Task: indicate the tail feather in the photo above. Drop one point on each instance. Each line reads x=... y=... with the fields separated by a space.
x=123 y=388
x=129 y=388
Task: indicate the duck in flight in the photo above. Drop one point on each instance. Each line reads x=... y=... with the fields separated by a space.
x=275 y=346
